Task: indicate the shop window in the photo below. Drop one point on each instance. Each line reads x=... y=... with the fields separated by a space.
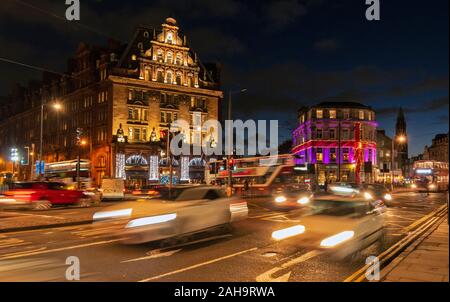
x=333 y=154
x=319 y=155
x=345 y=155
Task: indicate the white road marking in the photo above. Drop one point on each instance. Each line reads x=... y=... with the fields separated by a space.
x=12 y=256
x=267 y=276
x=199 y=265
x=156 y=254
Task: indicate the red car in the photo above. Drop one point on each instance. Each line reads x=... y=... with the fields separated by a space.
x=43 y=195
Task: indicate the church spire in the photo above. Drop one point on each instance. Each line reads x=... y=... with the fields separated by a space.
x=400 y=125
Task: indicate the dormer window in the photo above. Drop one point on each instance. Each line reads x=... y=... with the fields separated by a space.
x=169 y=38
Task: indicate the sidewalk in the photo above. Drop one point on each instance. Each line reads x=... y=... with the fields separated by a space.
x=428 y=262
x=12 y=221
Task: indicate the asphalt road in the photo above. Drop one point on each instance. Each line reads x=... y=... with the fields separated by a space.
x=247 y=253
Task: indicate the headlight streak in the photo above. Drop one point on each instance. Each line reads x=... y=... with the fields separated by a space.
x=303 y=200
x=337 y=239
x=112 y=214
x=388 y=197
x=367 y=195
x=150 y=220
x=280 y=199
x=288 y=232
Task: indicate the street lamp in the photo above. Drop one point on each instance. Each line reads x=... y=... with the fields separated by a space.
x=400 y=139
x=230 y=140
x=57 y=107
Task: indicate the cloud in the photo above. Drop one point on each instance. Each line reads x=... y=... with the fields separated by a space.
x=283 y=13
x=326 y=45
x=213 y=43
x=421 y=86
x=441 y=103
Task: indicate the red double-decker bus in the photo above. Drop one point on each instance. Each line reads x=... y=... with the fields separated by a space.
x=260 y=176
x=431 y=175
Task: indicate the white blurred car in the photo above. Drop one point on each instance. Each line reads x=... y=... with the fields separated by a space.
x=343 y=225
x=188 y=210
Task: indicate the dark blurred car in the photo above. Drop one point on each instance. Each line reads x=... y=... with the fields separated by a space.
x=376 y=191
x=43 y=195
x=291 y=197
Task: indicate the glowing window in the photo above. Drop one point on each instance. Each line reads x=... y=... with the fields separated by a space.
x=319 y=113
x=332 y=113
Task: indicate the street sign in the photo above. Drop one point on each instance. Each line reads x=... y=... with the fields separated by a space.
x=40 y=167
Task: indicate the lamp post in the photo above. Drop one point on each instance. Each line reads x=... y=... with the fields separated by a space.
x=400 y=139
x=57 y=107
x=230 y=140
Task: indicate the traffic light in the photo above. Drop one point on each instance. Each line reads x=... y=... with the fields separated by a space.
x=14 y=155
x=231 y=164
x=79 y=134
x=25 y=158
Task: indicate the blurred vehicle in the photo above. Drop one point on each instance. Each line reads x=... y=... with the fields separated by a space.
x=345 y=189
x=343 y=225
x=376 y=191
x=174 y=214
x=43 y=195
x=430 y=175
x=260 y=176
x=112 y=189
x=148 y=190
x=291 y=197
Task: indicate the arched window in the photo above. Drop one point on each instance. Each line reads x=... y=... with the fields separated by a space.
x=160 y=76
x=169 y=57
x=169 y=77
x=189 y=80
x=178 y=59
x=178 y=78
x=160 y=55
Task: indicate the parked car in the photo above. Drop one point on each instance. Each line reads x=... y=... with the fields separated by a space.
x=186 y=210
x=42 y=195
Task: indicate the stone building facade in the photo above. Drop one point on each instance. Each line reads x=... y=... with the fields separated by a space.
x=124 y=98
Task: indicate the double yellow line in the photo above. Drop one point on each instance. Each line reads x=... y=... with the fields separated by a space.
x=421 y=225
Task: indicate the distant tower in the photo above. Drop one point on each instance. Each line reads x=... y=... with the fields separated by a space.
x=401 y=142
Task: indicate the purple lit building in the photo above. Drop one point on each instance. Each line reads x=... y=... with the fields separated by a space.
x=339 y=139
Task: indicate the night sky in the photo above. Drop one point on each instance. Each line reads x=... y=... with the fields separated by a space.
x=287 y=53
